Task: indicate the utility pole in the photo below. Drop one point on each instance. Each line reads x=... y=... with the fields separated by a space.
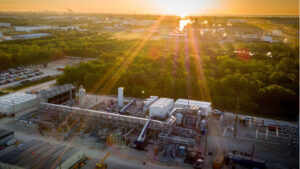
x=13 y=112
x=252 y=152
x=188 y=102
x=236 y=118
x=143 y=92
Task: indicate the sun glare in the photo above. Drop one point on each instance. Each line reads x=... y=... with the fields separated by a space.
x=183 y=23
x=183 y=8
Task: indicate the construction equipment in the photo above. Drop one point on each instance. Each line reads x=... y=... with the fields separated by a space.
x=198 y=163
x=101 y=165
x=79 y=164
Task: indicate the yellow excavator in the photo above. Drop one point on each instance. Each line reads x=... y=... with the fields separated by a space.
x=101 y=165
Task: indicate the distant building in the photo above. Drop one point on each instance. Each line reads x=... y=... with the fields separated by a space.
x=178 y=36
x=5 y=24
x=237 y=20
x=250 y=36
x=204 y=31
x=276 y=33
x=145 y=22
x=66 y=28
x=268 y=39
x=31 y=28
x=141 y=30
x=30 y=36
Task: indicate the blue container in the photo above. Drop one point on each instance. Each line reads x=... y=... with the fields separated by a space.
x=181 y=150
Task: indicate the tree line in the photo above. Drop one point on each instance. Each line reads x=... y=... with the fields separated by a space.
x=263 y=83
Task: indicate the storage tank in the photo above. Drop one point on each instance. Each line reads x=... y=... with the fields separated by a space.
x=120 y=96
x=179 y=117
x=81 y=95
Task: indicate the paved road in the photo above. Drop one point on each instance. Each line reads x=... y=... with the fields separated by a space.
x=41 y=86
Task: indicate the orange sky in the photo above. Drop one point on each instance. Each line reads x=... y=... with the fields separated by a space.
x=177 y=7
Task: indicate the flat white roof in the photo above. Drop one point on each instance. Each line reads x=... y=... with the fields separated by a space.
x=162 y=102
x=193 y=102
x=6 y=101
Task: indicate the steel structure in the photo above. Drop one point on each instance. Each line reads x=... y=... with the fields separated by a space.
x=179 y=135
x=128 y=121
x=64 y=94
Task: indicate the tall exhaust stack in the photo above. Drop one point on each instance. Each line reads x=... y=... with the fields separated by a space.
x=120 y=96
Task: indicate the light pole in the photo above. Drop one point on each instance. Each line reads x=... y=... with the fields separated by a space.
x=188 y=101
x=236 y=118
x=13 y=112
x=143 y=92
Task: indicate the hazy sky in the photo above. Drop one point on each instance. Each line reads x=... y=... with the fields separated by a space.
x=177 y=7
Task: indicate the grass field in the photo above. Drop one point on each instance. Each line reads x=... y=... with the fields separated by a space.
x=128 y=35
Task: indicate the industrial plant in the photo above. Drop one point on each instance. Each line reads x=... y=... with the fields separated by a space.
x=174 y=129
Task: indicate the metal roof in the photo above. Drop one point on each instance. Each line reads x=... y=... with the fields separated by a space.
x=38 y=154
x=17 y=98
x=56 y=90
x=4 y=133
x=192 y=102
x=162 y=102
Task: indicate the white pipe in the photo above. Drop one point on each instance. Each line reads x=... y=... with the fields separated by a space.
x=143 y=133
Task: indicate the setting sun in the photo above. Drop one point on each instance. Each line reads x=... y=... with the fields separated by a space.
x=183 y=8
x=141 y=84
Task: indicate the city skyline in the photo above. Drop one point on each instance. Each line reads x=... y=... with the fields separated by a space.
x=169 y=7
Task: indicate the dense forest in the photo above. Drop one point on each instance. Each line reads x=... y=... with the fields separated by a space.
x=83 y=44
x=264 y=82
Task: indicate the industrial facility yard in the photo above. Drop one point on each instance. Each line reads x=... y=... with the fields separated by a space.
x=97 y=138
x=160 y=90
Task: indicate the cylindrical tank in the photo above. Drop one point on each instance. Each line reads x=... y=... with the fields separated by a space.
x=81 y=95
x=179 y=117
x=155 y=151
x=181 y=151
x=120 y=96
x=203 y=124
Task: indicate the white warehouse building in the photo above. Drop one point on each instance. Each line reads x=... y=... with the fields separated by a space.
x=2 y=24
x=185 y=103
x=17 y=102
x=30 y=36
x=161 y=107
x=31 y=28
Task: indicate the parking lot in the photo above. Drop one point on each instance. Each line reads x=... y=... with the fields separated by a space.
x=24 y=74
x=19 y=76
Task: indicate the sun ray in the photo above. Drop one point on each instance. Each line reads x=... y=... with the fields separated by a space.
x=130 y=58
x=201 y=80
